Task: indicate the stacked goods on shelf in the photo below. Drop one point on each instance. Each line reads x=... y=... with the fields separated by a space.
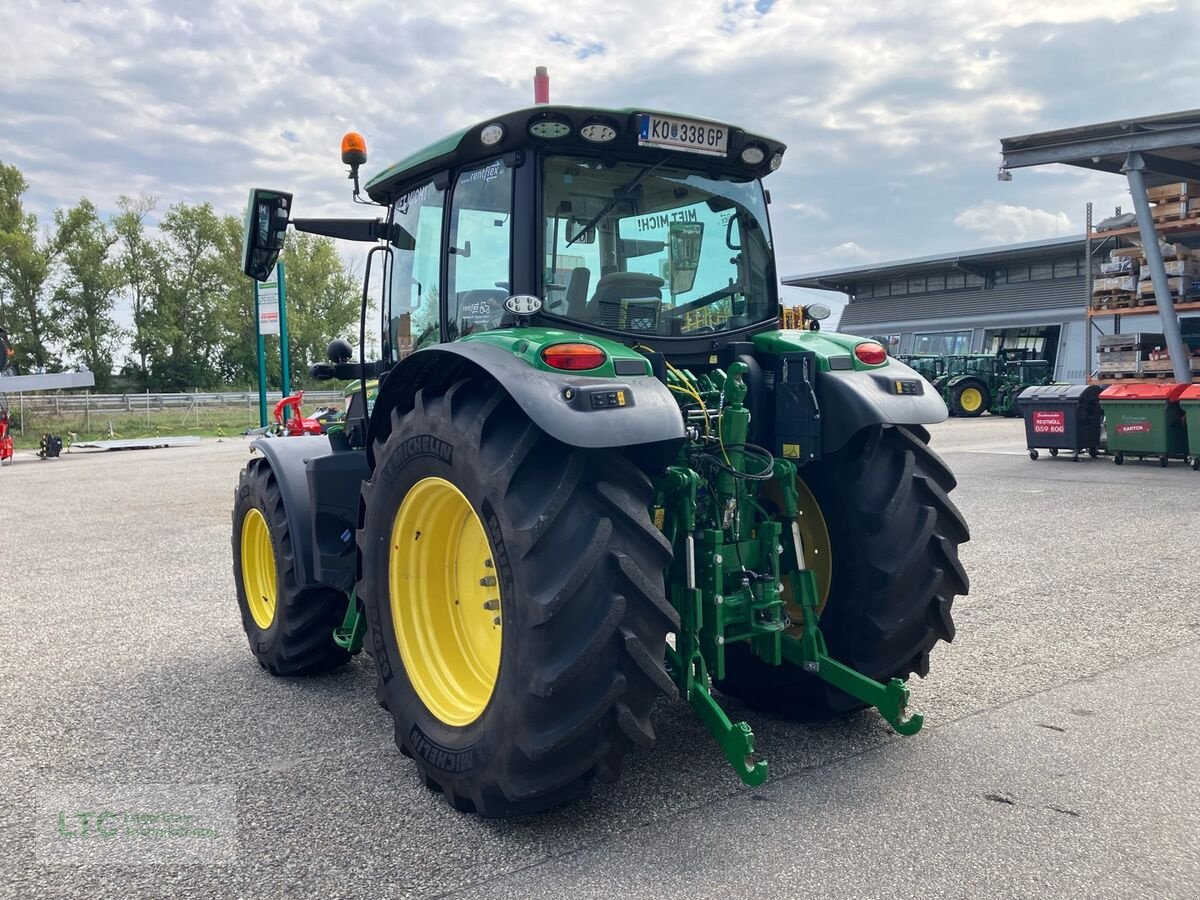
x=1183 y=274
x=1159 y=360
x=1116 y=287
x=1176 y=201
x=1124 y=355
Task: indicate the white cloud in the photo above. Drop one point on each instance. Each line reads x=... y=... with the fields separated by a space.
x=809 y=211
x=892 y=112
x=1003 y=223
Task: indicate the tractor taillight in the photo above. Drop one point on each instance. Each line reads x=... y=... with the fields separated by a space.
x=871 y=353
x=573 y=357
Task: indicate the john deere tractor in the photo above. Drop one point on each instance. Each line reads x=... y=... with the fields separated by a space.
x=595 y=469
x=975 y=383
x=929 y=365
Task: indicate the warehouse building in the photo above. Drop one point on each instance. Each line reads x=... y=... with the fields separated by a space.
x=1030 y=295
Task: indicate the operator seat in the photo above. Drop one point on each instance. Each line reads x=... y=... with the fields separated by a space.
x=627 y=300
x=577 y=291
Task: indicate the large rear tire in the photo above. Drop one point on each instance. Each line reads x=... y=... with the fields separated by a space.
x=894 y=535
x=562 y=544
x=290 y=629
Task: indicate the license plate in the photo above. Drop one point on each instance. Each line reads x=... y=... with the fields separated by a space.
x=682 y=134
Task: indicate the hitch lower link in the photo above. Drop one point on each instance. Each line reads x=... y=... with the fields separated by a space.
x=690 y=671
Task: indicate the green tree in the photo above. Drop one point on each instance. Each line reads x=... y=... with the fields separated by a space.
x=27 y=261
x=239 y=334
x=323 y=299
x=83 y=298
x=181 y=326
x=139 y=260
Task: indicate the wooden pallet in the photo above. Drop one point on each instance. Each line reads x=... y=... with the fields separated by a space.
x=1175 y=191
x=1178 y=211
x=1141 y=376
x=1114 y=301
x=1154 y=366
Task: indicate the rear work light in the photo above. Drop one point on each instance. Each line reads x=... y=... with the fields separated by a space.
x=573 y=357
x=871 y=353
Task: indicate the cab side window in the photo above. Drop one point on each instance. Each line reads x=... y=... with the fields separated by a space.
x=415 y=294
x=478 y=276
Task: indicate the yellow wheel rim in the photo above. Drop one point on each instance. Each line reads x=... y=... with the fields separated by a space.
x=258 y=568
x=445 y=601
x=818 y=553
x=971 y=399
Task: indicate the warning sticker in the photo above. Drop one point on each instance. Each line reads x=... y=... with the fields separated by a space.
x=1053 y=422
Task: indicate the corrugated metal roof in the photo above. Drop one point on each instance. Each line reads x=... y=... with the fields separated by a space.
x=830 y=279
x=1004 y=298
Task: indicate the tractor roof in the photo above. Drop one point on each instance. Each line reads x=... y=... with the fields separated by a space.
x=467 y=146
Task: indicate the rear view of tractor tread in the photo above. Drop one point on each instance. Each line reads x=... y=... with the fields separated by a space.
x=581 y=598
x=291 y=632
x=895 y=535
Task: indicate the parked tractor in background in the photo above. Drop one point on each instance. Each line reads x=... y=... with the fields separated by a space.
x=595 y=469
x=975 y=383
x=931 y=366
x=1018 y=375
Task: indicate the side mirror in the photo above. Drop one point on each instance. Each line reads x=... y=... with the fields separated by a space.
x=266 y=224
x=683 y=251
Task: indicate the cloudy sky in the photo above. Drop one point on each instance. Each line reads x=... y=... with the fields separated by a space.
x=892 y=110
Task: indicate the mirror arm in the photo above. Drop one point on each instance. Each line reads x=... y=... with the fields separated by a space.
x=363 y=230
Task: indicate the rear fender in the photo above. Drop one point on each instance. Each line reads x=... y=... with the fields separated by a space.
x=560 y=403
x=853 y=400
x=288 y=458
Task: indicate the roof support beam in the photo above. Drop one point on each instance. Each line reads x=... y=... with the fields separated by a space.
x=1074 y=151
x=1174 y=168
x=1135 y=167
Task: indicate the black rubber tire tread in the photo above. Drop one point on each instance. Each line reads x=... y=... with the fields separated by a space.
x=955 y=404
x=585 y=614
x=895 y=535
x=300 y=638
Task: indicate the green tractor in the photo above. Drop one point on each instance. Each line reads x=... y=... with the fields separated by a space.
x=594 y=469
x=975 y=383
x=1018 y=375
x=929 y=366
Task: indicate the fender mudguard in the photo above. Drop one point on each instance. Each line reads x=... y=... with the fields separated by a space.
x=288 y=458
x=954 y=382
x=853 y=400
x=562 y=404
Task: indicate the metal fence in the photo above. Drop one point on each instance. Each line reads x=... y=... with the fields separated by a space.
x=196 y=406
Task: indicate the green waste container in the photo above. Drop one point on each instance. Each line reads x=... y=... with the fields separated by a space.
x=1189 y=402
x=1144 y=420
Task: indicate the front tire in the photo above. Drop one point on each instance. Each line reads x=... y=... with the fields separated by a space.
x=895 y=536
x=290 y=629
x=578 y=590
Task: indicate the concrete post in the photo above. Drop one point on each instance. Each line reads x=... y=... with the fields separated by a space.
x=1133 y=170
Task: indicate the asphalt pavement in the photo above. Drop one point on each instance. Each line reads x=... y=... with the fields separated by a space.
x=1059 y=757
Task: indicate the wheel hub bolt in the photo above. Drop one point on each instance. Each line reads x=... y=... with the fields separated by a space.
x=491 y=604
x=487 y=581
